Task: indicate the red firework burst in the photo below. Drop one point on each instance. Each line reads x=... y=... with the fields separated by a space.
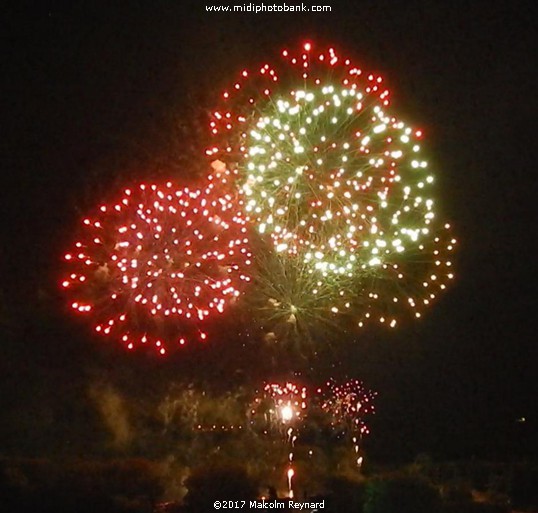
x=153 y=267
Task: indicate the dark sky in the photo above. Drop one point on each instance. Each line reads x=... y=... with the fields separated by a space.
x=91 y=93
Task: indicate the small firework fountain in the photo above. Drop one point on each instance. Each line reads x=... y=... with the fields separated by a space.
x=283 y=408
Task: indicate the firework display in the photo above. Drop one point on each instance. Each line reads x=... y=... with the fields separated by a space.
x=335 y=179
x=309 y=151
x=348 y=405
x=318 y=216
x=156 y=265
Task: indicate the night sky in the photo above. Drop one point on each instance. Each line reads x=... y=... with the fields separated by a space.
x=94 y=96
